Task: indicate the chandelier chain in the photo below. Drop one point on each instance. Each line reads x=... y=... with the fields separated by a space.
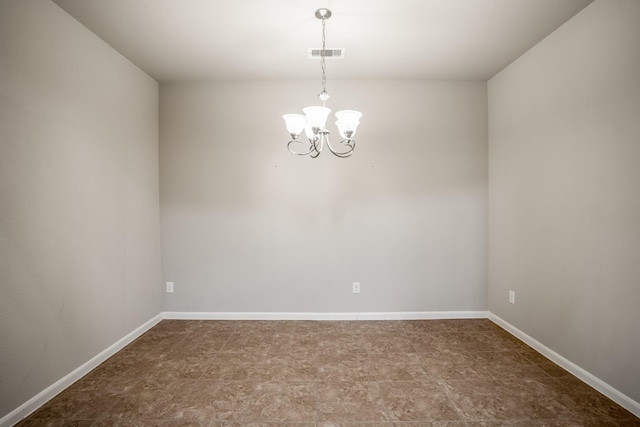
x=322 y=60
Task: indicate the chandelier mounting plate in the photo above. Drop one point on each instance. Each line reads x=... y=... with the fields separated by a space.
x=323 y=13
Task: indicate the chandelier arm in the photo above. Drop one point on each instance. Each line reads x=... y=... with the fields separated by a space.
x=311 y=150
x=351 y=143
x=319 y=143
x=317 y=148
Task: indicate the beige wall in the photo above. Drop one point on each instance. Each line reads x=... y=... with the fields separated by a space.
x=564 y=199
x=79 y=222
x=247 y=226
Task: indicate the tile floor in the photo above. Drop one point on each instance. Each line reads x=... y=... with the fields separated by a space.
x=390 y=373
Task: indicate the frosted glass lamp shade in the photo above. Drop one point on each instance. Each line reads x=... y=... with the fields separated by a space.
x=344 y=133
x=348 y=121
x=295 y=124
x=317 y=117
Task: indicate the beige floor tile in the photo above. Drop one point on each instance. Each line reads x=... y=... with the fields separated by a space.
x=417 y=373
x=424 y=401
x=282 y=403
x=350 y=401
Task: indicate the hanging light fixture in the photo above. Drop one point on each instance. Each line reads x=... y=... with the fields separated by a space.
x=313 y=121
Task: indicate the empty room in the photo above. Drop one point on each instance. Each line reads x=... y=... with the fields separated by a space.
x=335 y=213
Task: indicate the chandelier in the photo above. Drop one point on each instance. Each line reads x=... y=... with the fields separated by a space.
x=313 y=121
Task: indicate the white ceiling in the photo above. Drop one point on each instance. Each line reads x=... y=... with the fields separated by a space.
x=187 y=40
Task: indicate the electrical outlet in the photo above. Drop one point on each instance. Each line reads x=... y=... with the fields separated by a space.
x=512 y=297
x=356 y=287
x=169 y=287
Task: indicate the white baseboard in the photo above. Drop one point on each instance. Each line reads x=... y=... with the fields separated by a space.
x=595 y=382
x=54 y=389
x=423 y=315
x=401 y=315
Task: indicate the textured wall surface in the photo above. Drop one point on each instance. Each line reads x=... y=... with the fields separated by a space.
x=79 y=221
x=564 y=199
x=247 y=226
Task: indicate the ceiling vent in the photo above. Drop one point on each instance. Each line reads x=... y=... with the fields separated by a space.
x=335 y=53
